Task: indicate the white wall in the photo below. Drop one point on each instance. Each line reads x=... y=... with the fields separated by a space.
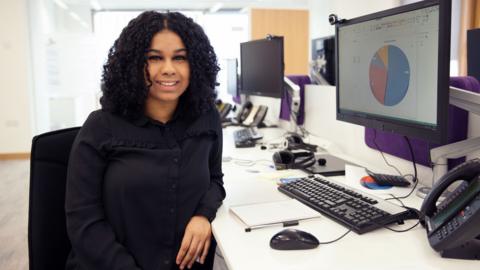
x=320 y=9
x=347 y=9
x=319 y=27
x=15 y=94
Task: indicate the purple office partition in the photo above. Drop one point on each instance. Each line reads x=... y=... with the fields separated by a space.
x=457 y=131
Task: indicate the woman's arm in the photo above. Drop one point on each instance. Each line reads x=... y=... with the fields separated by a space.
x=196 y=240
x=213 y=198
x=92 y=237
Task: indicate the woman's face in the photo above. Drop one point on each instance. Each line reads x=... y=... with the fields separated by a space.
x=168 y=67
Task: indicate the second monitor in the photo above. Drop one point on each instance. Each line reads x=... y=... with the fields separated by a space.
x=262 y=67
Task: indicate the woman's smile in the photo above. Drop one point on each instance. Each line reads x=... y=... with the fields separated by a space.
x=167 y=85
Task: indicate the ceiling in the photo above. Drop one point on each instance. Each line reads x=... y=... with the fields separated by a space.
x=206 y=5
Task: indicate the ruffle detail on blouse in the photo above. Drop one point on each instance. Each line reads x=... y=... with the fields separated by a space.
x=117 y=142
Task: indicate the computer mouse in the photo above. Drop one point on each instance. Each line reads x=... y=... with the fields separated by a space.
x=293 y=239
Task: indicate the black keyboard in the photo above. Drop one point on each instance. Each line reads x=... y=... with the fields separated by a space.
x=389 y=179
x=353 y=209
x=246 y=137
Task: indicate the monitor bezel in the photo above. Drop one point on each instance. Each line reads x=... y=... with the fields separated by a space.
x=280 y=92
x=237 y=79
x=402 y=127
x=312 y=51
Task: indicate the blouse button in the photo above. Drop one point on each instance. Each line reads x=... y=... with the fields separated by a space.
x=166 y=262
x=175 y=160
x=172 y=210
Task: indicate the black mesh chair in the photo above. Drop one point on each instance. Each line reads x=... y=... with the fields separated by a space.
x=48 y=243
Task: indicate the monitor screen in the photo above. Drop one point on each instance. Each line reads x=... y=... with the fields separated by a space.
x=232 y=76
x=261 y=66
x=323 y=59
x=393 y=70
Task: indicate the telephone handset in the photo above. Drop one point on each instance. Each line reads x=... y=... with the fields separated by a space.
x=250 y=115
x=244 y=112
x=259 y=116
x=256 y=116
x=453 y=226
x=223 y=109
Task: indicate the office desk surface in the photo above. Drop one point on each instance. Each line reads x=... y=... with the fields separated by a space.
x=380 y=249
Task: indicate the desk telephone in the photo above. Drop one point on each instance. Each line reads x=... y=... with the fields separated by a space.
x=251 y=115
x=453 y=226
x=223 y=109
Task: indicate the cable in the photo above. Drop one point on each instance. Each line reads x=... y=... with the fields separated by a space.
x=415 y=178
x=384 y=226
x=413 y=158
x=395 y=198
x=250 y=163
x=420 y=217
x=383 y=156
x=243 y=162
x=335 y=240
x=408 y=194
x=400 y=231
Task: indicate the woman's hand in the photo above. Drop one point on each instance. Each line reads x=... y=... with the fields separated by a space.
x=195 y=243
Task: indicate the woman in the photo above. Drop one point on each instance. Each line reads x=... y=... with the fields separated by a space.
x=145 y=178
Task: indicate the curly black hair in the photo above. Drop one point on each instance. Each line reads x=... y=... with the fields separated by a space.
x=123 y=81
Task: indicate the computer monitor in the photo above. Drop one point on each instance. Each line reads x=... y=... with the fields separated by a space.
x=232 y=76
x=323 y=59
x=262 y=68
x=393 y=70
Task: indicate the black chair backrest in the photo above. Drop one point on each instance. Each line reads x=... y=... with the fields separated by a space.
x=48 y=243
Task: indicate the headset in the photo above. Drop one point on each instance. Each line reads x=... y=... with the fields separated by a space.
x=293 y=160
x=295 y=142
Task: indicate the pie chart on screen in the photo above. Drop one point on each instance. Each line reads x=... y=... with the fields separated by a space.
x=389 y=75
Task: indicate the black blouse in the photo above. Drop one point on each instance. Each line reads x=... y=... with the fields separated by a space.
x=132 y=187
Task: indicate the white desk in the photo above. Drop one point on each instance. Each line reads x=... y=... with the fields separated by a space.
x=380 y=249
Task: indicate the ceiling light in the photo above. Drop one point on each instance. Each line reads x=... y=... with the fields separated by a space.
x=84 y=24
x=61 y=4
x=216 y=7
x=75 y=16
x=95 y=5
x=244 y=10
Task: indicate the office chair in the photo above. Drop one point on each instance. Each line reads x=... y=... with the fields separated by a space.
x=48 y=243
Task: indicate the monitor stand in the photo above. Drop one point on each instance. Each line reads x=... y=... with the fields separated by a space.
x=469 y=101
x=332 y=166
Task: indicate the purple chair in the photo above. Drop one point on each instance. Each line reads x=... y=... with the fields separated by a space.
x=300 y=80
x=457 y=131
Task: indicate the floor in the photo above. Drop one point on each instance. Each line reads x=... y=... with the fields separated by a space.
x=14 y=179
x=14 y=190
